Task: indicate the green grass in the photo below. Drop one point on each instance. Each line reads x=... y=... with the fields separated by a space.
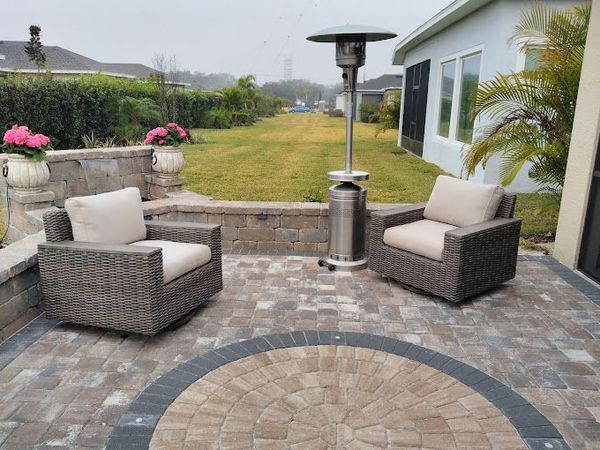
x=286 y=158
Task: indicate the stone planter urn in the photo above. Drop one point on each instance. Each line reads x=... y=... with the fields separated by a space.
x=26 y=175
x=167 y=161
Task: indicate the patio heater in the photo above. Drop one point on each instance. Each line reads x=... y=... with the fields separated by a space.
x=347 y=200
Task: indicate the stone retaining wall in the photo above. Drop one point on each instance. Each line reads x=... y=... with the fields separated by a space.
x=123 y=167
x=289 y=226
x=20 y=295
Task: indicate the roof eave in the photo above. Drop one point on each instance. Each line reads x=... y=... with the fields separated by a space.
x=452 y=13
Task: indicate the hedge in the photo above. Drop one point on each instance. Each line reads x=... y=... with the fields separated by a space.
x=66 y=110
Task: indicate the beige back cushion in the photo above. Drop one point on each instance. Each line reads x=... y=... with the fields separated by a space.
x=462 y=203
x=111 y=218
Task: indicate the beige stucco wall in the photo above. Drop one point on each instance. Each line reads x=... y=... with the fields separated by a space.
x=582 y=153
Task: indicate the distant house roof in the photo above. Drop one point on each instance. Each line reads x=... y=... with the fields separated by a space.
x=381 y=83
x=452 y=13
x=60 y=60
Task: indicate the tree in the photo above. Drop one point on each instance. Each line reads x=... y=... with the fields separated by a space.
x=34 y=46
x=532 y=111
x=166 y=78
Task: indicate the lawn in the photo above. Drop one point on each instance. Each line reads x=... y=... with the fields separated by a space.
x=286 y=158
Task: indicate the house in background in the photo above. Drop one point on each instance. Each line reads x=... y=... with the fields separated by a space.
x=444 y=60
x=64 y=63
x=371 y=92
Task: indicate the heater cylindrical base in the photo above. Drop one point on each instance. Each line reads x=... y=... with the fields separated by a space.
x=347 y=222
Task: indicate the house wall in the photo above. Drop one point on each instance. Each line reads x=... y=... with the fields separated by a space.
x=488 y=29
x=582 y=153
x=340 y=102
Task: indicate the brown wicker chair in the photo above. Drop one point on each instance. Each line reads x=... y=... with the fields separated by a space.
x=475 y=258
x=121 y=287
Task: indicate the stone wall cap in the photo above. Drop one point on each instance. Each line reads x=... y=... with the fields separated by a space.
x=19 y=256
x=93 y=153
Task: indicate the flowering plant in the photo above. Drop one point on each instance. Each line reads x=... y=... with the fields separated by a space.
x=21 y=140
x=171 y=134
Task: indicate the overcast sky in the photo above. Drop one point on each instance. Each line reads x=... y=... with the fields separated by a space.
x=235 y=36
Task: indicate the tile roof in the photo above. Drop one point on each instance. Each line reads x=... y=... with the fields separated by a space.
x=58 y=59
x=381 y=83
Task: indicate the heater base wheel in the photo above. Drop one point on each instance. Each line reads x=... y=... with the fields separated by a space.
x=344 y=266
x=324 y=263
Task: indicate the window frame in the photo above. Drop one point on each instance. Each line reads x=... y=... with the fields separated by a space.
x=457 y=58
x=522 y=55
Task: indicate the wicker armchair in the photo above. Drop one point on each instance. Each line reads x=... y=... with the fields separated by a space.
x=121 y=286
x=475 y=258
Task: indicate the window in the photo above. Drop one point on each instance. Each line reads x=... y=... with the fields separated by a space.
x=459 y=79
x=469 y=80
x=532 y=58
x=448 y=75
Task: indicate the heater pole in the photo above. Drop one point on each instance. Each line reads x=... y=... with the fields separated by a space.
x=349 y=125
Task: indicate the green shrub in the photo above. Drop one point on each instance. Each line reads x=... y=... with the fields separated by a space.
x=134 y=116
x=243 y=118
x=389 y=113
x=335 y=112
x=216 y=118
x=367 y=111
x=67 y=110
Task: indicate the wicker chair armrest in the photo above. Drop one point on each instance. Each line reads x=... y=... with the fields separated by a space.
x=482 y=228
x=196 y=233
x=386 y=218
x=124 y=276
x=496 y=236
x=96 y=263
x=93 y=247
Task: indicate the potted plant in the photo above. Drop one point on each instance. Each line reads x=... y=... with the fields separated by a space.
x=26 y=169
x=167 y=158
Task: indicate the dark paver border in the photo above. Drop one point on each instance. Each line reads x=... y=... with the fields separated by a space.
x=136 y=425
x=18 y=342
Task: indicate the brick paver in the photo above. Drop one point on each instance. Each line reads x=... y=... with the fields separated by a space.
x=355 y=398
x=537 y=334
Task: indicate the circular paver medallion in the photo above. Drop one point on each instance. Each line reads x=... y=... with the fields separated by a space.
x=329 y=396
x=330 y=389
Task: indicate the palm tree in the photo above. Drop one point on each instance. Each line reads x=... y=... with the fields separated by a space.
x=532 y=111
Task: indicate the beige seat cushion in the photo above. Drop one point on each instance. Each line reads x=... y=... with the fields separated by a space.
x=462 y=203
x=111 y=218
x=424 y=237
x=179 y=258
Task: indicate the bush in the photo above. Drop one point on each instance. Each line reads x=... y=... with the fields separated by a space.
x=369 y=112
x=67 y=110
x=243 y=118
x=216 y=118
x=335 y=112
x=389 y=113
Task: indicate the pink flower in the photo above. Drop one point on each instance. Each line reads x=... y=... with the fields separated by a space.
x=162 y=132
x=172 y=125
x=162 y=142
x=9 y=137
x=148 y=139
x=33 y=141
x=44 y=140
x=17 y=136
x=182 y=133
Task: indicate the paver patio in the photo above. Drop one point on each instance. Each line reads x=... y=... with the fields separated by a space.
x=539 y=334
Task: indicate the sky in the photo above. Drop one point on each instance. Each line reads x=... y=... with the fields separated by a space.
x=211 y=36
